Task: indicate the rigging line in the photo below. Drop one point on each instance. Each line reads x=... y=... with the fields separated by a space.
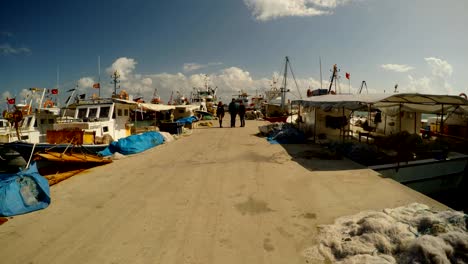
x=294 y=77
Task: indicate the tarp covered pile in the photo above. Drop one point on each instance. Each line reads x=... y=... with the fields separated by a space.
x=282 y=133
x=23 y=192
x=134 y=144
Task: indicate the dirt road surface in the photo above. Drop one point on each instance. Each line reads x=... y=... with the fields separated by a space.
x=220 y=195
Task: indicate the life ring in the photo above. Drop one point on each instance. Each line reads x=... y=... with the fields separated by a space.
x=48 y=104
x=25 y=110
x=463 y=95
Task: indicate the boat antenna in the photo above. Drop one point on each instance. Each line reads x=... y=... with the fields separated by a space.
x=396 y=88
x=115 y=80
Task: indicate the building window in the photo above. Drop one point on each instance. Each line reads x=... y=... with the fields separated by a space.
x=126 y=112
x=119 y=112
x=105 y=129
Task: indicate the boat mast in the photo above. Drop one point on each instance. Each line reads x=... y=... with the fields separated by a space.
x=58 y=85
x=333 y=78
x=283 y=88
x=99 y=75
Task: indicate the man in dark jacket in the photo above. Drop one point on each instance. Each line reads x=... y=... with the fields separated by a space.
x=242 y=113
x=220 y=113
x=233 y=112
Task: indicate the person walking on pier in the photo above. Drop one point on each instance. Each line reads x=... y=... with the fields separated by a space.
x=242 y=113
x=220 y=113
x=233 y=112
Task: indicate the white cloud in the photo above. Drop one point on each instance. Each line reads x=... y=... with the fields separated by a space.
x=396 y=67
x=437 y=83
x=440 y=67
x=7 y=49
x=188 y=67
x=6 y=34
x=85 y=82
x=271 y=9
x=6 y=95
x=229 y=81
x=124 y=66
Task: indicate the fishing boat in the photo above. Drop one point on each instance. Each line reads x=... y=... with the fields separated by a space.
x=277 y=109
x=22 y=123
x=205 y=97
x=95 y=123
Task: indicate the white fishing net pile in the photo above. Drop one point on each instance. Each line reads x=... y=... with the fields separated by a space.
x=407 y=234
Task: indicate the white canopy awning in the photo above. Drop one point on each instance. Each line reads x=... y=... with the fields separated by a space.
x=156 y=107
x=146 y=106
x=426 y=103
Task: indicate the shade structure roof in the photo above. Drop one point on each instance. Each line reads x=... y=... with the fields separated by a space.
x=427 y=103
x=151 y=107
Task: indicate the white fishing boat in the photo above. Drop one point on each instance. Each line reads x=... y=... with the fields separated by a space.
x=94 y=124
x=205 y=97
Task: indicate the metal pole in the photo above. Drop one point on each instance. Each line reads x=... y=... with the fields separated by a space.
x=320 y=61
x=442 y=120
x=99 y=75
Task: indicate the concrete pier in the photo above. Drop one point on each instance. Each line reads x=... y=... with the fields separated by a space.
x=219 y=195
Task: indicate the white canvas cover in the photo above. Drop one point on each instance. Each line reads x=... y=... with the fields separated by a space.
x=425 y=103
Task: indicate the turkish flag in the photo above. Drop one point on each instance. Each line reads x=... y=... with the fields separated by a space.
x=54 y=91
x=11 y=100
x=347 y=76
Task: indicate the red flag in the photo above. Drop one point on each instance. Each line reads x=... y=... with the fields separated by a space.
x=54 y=91
x=97 y=85
x=11 y=100
x=347 y=76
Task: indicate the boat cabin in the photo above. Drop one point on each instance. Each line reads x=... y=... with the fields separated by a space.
x=98 y=118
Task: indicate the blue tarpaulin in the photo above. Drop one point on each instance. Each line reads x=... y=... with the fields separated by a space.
x=187 y=120
x=23 y=192
x=134 y=144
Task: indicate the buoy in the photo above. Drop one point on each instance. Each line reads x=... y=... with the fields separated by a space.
x=48 y=104
x=25 y=109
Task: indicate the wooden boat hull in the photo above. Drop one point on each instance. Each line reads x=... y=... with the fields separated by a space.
x=72 y=157
x=26 y=149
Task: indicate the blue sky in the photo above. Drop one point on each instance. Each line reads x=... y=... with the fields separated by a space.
x=421 y=45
